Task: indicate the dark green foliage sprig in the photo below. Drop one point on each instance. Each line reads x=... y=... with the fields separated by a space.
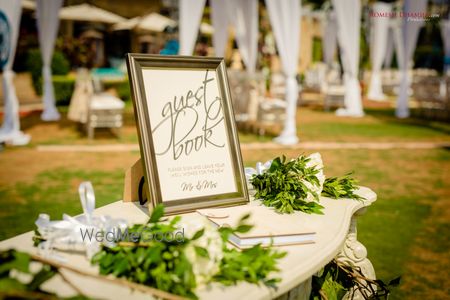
x=337 y=278
x=157 y=263
x=12 y=261
x=162 y=264
x=341 y=187
x=253 y=265
x=282 y=186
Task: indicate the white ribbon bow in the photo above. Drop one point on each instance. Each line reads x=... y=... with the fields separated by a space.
x=260 y=168
x=77 y=233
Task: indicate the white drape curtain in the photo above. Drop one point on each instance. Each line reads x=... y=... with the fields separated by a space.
x=380 y=28
x=48 y=22
x=397 y=31
x=285 y=20
x=348 y=16
x=10 y=130
x=191 y=12
x=410 y=31
x=389 y=49
x=445 y=30
x=244 y=16
x=329 y=38
x=220 y=22
x=394 y=43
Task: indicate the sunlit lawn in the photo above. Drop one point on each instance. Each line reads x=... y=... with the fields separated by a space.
x=406 y=231
x=379 y=125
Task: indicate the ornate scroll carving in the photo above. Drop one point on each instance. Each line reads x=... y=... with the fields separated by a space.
x=355 y=253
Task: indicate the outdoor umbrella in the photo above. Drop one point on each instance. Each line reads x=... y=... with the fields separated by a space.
x=89 y=13
x=153 y=22
x=28 y=4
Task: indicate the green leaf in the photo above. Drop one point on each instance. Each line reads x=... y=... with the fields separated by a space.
x=200 y=251
x=22 y=261
x=198 y=234
x=157 y=213
x=394 y=282
x=276 y=164
x=11 y=284
x=243 y=228
x=245 y=217
x=42 y=276
x=120 y=267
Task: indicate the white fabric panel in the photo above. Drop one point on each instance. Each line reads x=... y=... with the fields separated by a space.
x=47 y=17
x=445 y=30
x=398 y=41
x=394 y=43
x=389 y=49
x=191 y=12
x=10 y=130
x=244 y=16
x=348 y=16
x=410 y=30
x=285 y=20
x=220 y=22
x=329 y=38
x=380 y=28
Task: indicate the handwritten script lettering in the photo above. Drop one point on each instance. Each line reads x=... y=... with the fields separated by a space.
x=200 y=186
x=191 y=119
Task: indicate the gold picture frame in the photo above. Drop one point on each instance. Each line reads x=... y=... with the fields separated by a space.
x=187 y=134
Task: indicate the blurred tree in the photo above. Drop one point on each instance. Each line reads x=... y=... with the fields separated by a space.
x=60 y=66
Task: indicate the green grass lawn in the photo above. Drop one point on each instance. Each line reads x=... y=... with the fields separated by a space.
x=406 y=231
x=53 y=192
x=379 y=125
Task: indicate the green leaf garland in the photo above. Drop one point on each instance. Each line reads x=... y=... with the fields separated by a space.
x=164 y=265
x=283 y=186
x=341 y=187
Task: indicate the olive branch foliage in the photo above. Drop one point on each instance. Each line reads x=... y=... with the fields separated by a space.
x=283 y=186
x=341 y=187
x=164 y=265
x=252 y=265
x=14 y=262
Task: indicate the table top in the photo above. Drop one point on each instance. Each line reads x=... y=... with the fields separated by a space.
x=300 y=263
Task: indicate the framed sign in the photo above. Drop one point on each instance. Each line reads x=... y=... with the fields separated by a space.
x=188 y=140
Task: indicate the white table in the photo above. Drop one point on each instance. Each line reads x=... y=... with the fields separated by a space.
x=336 y=237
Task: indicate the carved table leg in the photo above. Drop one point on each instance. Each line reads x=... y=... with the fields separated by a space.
x=355 y=254
x=300 y=292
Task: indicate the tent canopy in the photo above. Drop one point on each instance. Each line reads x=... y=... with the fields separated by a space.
x=90 y=13
x=28 y=4
x=152 y=22
x=157 y=23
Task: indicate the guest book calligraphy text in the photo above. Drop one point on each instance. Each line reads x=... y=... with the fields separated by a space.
x=189 y=133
